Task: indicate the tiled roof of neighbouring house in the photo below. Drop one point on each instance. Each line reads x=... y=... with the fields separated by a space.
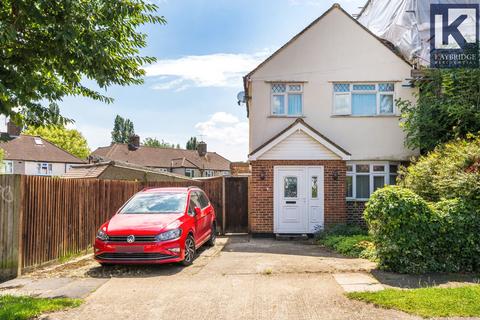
x=163 y=157
x=31 y=148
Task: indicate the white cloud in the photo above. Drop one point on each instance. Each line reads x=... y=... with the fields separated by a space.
x=226 y=135
x=213 y=70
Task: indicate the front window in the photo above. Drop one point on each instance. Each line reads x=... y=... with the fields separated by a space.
x=7 y=167
x=365 y=178
x=287 y=99
x=209 y=173
x=190 y=173
x=44 y=169
x=368 y=99
x=161 y=202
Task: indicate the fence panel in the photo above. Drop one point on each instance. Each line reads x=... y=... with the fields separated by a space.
x=10 y=221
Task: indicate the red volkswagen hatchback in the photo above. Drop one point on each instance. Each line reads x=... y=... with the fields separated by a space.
x=157 y=226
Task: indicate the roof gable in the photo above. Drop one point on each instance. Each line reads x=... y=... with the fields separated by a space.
x=311 y=25
x=299 y=141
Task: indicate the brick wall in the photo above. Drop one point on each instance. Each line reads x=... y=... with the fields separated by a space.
x=355 y=212
x=261 y=192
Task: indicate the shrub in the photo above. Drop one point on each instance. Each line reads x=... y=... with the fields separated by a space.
x=413 y=236
x=400 y=223
x=451 y=171
x=342 y=230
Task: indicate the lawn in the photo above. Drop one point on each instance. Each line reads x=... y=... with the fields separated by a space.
x=427 y=302
x=19 y=308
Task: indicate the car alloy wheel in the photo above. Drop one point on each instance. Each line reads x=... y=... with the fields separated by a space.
x=189 y=251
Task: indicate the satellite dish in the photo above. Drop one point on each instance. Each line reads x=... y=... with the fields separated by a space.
x=241 y=97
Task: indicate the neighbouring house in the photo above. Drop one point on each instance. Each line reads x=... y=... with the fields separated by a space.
x=117 y=170
x=32 y=155
x=189 y=163
x=324 y=126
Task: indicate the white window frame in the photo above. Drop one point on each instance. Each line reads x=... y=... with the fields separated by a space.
x=49 y=167
x=190 y=173
x=7 y=164
x=209 y=173
x=377 y=92
x=285 y=98
x=385 y=174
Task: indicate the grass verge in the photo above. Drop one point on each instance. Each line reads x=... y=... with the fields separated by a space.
x=24 y=307
x=427 y=302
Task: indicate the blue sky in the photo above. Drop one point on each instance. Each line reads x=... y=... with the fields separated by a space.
x=203 y=51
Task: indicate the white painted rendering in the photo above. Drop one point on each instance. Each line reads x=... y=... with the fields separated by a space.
x=335 y=49
x=303 y=212
x=299 y=143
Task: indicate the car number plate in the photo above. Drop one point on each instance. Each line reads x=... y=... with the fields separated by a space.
x=129 y=249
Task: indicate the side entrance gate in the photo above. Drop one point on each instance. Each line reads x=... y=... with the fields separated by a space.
x=236 y=205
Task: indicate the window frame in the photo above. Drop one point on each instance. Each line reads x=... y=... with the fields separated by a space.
x=6 y=164
x=377 y=93
x=353 y=173
x=209 y=173
x=49 y=167
x=191 y=172
x=285 y=98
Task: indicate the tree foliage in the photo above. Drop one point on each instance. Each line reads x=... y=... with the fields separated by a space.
x=447 y=107
x=47 y=47
x=123 y=129
x=154 y=142
x=70 y=140
x=192 y=144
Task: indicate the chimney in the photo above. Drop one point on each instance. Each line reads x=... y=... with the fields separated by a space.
x=134 y=142
x=13 y=130
x=202 y=149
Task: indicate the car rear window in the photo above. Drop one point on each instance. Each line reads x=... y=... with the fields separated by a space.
x=163 y=202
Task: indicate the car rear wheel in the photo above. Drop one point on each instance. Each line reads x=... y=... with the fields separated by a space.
x=189 y=251
x=213 y=236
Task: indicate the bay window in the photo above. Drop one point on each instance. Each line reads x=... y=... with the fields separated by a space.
x=363 y=99
x=364 y=178
x=287 y=99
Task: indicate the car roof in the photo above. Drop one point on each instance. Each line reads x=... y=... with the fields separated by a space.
x=171 y=189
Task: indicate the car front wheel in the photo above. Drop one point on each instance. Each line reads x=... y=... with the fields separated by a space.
x=189 y=251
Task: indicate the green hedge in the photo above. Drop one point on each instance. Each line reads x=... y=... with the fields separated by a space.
x=413 y=236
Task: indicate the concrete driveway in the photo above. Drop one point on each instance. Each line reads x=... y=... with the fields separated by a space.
x=240 y=278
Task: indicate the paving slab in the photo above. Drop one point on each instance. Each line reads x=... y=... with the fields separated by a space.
x=357 y=282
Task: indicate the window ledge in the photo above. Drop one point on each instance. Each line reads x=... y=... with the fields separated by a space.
x=356 y=200
x=285 y=116
x=366 y=116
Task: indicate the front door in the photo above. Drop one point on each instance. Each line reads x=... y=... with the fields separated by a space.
x=298 y=199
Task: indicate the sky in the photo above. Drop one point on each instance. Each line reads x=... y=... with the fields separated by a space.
x=202 y=53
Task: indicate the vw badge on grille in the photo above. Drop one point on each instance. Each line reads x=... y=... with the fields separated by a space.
x=131 y=239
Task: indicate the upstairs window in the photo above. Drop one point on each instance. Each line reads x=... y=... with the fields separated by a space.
x=287 y=99
x=7 y=167
x=368 y=99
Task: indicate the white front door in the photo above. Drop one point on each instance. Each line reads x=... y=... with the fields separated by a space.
x=298 y=199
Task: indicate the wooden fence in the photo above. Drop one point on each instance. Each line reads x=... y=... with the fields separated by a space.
x=50 y=218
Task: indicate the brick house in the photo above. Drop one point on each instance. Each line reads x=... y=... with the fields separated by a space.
x=324 y=127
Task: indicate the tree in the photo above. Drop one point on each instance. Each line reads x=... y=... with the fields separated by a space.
x=192 y=144
x=49 y=46
x=123 y=129
x=448 y=107
x=70 y=140
x=154 y=142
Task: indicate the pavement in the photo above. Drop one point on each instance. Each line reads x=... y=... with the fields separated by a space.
x=239 y=278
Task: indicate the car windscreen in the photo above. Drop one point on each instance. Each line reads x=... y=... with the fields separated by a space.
x=161 y=202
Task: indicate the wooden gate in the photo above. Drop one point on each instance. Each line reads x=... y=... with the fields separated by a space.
x=236 y=204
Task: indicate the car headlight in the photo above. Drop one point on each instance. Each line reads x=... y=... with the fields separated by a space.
x=169 y=235
x=102 y=235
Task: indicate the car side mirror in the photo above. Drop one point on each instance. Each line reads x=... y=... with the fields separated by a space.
x=197 y=211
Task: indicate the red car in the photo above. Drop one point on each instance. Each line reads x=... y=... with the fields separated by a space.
x=159 y=225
